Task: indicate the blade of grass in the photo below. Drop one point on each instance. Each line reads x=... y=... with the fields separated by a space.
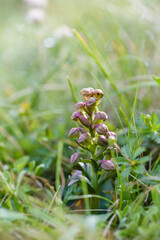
x=106 y=75
x=156 y=163
x=94 y=58
x=132 y=117
x=134 y=86
x=72 y=90
x=89 y=196
x=124 y=115
x=58 y=164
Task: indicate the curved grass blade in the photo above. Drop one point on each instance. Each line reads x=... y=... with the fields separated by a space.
x=72 y=90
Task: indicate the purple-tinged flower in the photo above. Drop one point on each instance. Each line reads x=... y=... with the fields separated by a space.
x=98 y=94
x=76 y=176
x=75 y=116
x=80 y=105
x=91 y=103
x=82 y=130
x=74 y=132
x=74 y=157
x=84 y=138
x=101 y=116
x=107 y=165
x=84 y=121
x=112 y=134
x=87 y=92
x=78 y=116
x=102 y=141
x=101 y=128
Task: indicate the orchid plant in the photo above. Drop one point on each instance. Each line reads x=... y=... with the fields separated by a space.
x=94 y=163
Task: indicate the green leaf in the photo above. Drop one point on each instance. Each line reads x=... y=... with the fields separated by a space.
x=138 y=151
x=86 y=169
x=105 y=176
x=10 y=215
x=154 y=119
x=156 y=137
x=140 y=169
x=156 y=195
x=19 y=180
x=20 y=164
x=151 y=213
x=137 y=211
x=143 y=159
x=31 y=166
x=126 y=151
x=100 y=152
x=157 y=79
x=126 y=211
x=39 y=169
x=68 y=193
x=126 y=172
x=122 y=161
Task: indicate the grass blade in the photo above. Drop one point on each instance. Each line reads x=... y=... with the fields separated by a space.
x=72 y=90
x=58 y=165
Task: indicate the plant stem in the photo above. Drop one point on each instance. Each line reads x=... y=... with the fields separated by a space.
x=95 y=201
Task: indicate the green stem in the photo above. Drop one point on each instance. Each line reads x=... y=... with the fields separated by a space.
x=95 y=201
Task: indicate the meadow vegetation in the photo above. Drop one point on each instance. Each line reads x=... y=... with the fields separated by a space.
x=98 y=177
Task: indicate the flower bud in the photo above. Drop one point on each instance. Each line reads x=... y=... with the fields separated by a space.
x=84 y=138
x=107 y=165
x=82 y=130
x=109 y=133
x=74 y=157
x=102 y=141
x=74 y=132
x=91 y=103
x=87 y=92
x=78 y=116
x=98 y=94
x=79 y=105
x=101 y=116
x=75 y=116
x=101 y=128
x=84 y=121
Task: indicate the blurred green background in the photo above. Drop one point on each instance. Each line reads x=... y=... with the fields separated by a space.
x=39 y=49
